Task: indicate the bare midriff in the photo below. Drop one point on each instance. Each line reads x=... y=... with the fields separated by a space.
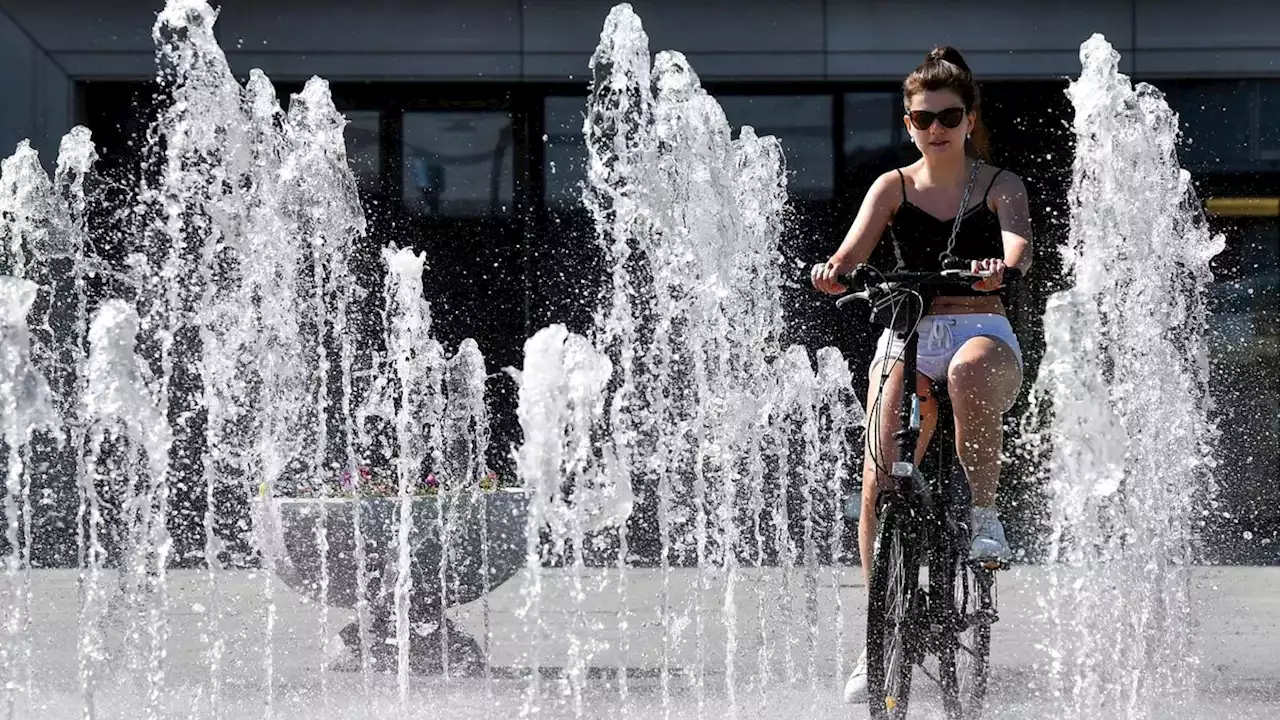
x=966 y=305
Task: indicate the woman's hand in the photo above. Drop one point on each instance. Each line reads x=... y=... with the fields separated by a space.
x=994 y=269
x=825 y=277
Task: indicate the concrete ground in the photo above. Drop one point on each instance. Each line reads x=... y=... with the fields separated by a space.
x=275 y=653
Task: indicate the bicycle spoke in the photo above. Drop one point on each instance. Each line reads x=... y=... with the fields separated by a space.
x=892 y=618
x=967 y=662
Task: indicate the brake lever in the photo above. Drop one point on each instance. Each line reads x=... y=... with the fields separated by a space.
x=860 y=295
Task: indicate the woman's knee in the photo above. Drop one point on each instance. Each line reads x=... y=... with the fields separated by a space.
x=984 y=374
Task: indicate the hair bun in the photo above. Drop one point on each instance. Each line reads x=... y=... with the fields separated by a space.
x=948 y=54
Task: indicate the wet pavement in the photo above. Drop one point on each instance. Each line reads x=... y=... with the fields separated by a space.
x=1237 y=636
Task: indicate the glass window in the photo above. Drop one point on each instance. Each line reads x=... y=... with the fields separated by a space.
x=1228 y=125
x=566 y=153
x=871 y=123
x=1268 y=125
x=874 y=138
x=1215 y=118
x=458 y=163
x=364 y=131
x=802 y=123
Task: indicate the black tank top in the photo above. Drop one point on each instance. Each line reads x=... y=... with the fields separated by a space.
x=920 y=239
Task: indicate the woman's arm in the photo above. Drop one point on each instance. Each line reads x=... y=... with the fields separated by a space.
x=1012 y=208
x=863 y=236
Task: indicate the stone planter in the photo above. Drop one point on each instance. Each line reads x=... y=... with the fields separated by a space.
x=485 y=535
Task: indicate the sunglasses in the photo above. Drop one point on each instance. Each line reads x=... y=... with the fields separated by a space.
x=950 y=118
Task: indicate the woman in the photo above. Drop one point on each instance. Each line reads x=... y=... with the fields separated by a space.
x=965 y=337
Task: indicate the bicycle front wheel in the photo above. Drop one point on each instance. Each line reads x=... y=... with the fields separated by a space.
x=965 y=660
x=892 y=633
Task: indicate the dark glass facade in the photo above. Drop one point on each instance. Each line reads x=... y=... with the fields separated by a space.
x=486 y=178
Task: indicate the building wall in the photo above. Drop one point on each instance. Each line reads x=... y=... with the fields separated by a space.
x=1220 y=68
x=553 y=39
x=35 y=92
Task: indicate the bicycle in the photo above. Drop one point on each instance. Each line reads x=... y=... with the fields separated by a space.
x=924 y=523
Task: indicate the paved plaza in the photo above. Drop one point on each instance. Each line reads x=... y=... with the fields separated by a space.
x=1238 y=638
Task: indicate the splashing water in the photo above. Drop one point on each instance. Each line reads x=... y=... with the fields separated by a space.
x=419 y=370
x=619 y=144
x=1127 y=483
x=123 y=406
x=225 y=358
x=684 y=399
x=678 y=410
x=27 y=405
x=574 y=491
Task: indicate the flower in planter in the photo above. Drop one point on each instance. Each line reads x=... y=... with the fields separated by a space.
x=432 y=483
x=489 y=481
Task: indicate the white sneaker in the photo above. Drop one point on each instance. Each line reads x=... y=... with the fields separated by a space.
x=987 y=534
x=855 y=689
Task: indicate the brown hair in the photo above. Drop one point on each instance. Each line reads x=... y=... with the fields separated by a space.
x=944 y=68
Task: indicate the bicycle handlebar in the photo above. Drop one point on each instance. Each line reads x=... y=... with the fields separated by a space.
x=863 y=275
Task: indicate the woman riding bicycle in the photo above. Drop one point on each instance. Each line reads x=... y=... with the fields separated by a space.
x=965 y=338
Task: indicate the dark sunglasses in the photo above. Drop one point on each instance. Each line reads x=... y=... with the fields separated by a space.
x=950 y=118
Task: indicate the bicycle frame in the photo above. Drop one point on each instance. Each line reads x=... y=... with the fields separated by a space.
x=930 y=519
x=905 y=479
x=936 y=491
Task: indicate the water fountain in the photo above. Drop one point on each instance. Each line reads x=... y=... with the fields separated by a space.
x=27 y=407
x=1128 y=485
x=463 y=536
x=683 y=408
x=227 y=359
x=229 y=355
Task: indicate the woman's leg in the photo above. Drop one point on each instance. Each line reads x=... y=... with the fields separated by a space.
x=983 y=381
x=881 y=449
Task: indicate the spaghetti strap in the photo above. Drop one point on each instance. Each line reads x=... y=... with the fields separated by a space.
x=903 y=179
x=991 y=185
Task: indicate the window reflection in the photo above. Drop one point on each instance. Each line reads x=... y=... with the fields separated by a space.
x=1247 y=296
x=871 y=123
x=802 y=123
x=1268 y=127
x=364 y=131
x=874 y=138
x=1228 y=125
x=458 y=163
x=566 y=152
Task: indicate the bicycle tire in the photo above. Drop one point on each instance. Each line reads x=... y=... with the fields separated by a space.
x=892 y=645
x=965 y=661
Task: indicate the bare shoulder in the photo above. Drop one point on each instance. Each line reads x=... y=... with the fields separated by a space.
x=887 y=188
x=1007 y=186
